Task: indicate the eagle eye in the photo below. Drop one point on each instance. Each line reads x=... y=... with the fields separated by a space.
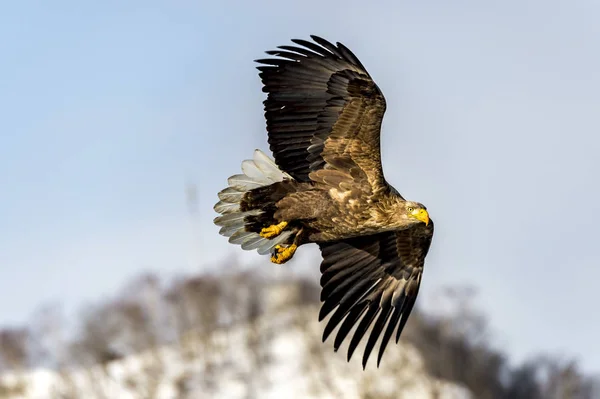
x=410 y=209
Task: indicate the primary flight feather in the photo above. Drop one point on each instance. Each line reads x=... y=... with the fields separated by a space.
x=326 y=186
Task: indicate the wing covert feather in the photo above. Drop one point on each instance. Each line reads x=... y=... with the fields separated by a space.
x=372 y=282
x=321 y=105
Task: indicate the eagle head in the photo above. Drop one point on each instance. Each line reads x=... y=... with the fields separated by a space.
x=416 y=212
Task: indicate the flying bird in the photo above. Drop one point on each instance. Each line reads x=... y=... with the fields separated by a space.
x=326 y=186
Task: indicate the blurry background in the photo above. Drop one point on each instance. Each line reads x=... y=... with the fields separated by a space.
x=120 y=121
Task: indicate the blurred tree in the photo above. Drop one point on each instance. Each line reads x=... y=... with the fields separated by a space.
x=14 y=348
x=223 y=325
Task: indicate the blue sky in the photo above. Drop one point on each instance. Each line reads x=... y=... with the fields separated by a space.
x=109 y=109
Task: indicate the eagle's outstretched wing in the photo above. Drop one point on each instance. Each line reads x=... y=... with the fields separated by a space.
x=372 y=279
x=323 y=111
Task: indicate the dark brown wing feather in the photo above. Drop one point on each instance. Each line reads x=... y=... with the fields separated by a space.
x=322 y=105
x=372 y=280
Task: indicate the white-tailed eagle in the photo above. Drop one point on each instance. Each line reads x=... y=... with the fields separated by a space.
x=326 y=186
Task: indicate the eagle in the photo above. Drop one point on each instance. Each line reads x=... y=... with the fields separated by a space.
x=326 y=186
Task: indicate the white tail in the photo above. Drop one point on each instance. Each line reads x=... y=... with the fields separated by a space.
x=258 y=172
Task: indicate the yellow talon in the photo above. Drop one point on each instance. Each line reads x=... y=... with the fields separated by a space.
x=273 y=231
x=282 y=254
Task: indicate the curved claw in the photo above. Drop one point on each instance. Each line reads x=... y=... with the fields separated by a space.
x=282 y=254
x=273 y=230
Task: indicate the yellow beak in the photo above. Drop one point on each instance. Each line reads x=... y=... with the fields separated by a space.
x=422 y=215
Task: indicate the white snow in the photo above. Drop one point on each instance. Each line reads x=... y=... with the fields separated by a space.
x=280 y=355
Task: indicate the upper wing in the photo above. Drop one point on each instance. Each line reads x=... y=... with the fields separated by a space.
x=322 y=106
x=371 y=275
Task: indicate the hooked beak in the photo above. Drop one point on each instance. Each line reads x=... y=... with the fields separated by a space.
x=422 y=215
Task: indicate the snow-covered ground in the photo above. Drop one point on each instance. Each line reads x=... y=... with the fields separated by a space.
x=280 y=355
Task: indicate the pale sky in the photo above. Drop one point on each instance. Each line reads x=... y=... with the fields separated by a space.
x=109 y=109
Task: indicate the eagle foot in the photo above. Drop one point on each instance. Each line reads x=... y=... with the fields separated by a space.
x=273 y=230
x=282 y=254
